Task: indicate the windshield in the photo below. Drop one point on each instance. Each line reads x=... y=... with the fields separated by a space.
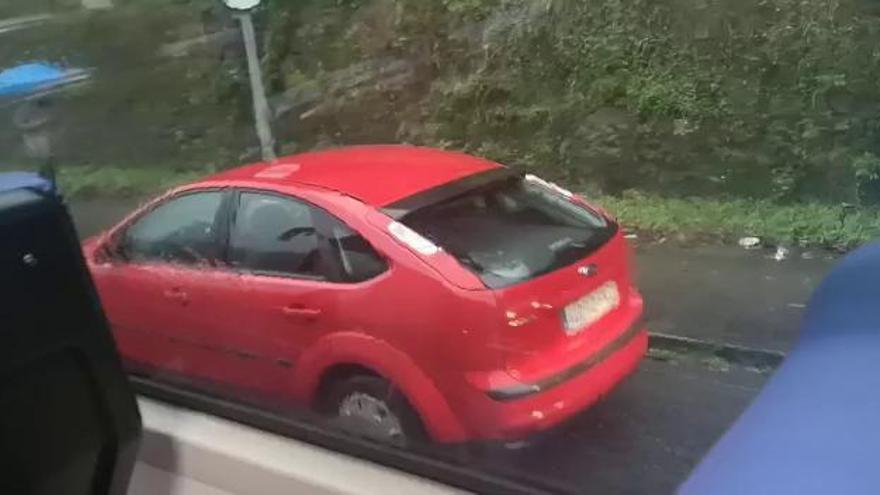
x=513 y=230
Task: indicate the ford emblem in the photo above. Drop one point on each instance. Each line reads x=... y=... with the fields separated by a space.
x=588 y=270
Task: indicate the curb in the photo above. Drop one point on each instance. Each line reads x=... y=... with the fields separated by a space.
x=762 y=359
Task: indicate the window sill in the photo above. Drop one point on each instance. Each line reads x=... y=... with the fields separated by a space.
x=187 y=452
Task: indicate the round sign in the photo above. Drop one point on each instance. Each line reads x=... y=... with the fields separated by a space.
x=241 y=4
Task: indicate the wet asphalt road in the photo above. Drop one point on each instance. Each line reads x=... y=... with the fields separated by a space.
x=647 y=435
x=726 y=294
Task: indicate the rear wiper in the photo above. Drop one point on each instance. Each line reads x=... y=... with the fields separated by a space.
x=590 y=244
x=575 y=245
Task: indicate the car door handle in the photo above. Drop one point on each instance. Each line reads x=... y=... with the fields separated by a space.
x=177 y=294
x=301 y=311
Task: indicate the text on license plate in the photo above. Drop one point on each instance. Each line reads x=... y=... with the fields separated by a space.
x=590 y=308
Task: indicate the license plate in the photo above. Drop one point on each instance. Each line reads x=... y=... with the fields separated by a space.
x=590 y=308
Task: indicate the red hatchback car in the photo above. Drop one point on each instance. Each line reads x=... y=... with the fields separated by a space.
x=408 y=291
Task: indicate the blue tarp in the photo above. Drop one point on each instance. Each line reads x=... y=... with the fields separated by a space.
x=24 y=180
x=815 y=427
x=32 y=77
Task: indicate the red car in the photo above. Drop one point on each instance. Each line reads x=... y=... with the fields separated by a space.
x=408 y=291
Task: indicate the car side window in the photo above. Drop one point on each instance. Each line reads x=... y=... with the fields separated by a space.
x=356 y=257
x=274 y=234
x=181 y=230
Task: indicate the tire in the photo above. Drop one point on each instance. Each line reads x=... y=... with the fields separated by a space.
x=353 y=403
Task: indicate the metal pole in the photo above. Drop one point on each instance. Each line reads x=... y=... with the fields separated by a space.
x=262 y=117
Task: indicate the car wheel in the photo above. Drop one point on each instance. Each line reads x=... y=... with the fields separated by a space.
x=371 y=407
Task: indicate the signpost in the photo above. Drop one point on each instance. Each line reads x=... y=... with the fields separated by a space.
x=262 y=117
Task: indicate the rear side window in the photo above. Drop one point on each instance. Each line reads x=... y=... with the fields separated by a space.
x=274 y=234
x=356 y=257
x=181 y=230
x=512 y=230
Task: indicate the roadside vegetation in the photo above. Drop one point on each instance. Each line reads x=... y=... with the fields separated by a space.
x=723 y=119
x=85 y=182
x=837 y=227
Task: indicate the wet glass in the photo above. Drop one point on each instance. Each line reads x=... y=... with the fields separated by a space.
x=180 y=230
x=512 y=230
x=274 y=234
x=688 y=168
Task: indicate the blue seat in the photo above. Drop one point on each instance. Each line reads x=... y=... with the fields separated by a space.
x=815 y=427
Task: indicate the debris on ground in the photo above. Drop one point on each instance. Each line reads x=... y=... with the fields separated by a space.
x=797 y=305
x=631 y=236
x=716 y=363
x=713 y=356
x=808 y=255
x=781 y=253
x=761 y=370
x=749 y=242
x=664 y=355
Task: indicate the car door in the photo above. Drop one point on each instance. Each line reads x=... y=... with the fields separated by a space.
x=164 y=292
x=280 y=244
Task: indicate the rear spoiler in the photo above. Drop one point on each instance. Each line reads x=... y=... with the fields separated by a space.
x=815 y=427
x=444 y=192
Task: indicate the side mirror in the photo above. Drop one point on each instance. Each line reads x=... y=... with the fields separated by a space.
x=109 y=248
x=101 y=252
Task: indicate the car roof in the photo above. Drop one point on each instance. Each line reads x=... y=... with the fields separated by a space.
x=376 y=175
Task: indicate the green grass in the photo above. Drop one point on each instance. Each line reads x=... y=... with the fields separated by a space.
x=92 y=181
x=808 y=224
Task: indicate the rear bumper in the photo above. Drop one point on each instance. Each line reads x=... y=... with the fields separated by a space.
x=526 y=389
x=515 y=412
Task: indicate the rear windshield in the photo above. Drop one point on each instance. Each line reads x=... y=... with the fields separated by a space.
x=512 y=230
